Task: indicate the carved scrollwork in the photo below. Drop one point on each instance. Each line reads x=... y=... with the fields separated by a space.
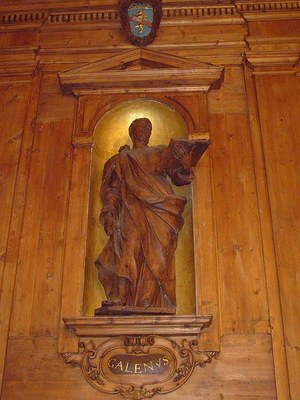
x=84 y=359
x=138 y=367
x=202 y=357
x=138 y=393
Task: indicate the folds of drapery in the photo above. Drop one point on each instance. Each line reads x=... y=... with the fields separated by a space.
x=149 y=216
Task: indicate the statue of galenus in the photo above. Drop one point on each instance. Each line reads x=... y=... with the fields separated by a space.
x=142 y=216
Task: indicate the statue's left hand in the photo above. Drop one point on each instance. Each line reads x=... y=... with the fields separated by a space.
x=182 y=155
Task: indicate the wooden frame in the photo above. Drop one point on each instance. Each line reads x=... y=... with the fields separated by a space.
x=94 y=99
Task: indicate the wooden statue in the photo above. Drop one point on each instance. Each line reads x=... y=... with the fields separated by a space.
x=142 y=217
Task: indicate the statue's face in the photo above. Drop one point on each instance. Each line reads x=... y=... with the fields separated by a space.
x=141 y=132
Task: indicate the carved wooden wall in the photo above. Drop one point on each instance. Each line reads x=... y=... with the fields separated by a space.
x=248 y=182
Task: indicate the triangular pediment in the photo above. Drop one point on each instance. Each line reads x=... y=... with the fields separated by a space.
x=141 y=70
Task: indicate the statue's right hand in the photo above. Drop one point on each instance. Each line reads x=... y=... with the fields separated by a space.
x=109 y=224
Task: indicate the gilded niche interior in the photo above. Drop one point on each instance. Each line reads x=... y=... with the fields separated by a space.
x=110 y=134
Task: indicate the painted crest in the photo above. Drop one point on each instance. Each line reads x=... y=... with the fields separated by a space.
x=140 y=19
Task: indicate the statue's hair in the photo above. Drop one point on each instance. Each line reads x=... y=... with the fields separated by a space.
x=133 y=123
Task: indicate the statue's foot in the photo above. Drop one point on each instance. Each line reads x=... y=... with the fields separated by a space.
x=146 y=304
x=111 y=303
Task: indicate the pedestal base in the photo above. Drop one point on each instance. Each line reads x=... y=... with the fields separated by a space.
x=131 y=310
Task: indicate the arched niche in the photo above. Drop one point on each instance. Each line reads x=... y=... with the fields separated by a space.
x=110 y=133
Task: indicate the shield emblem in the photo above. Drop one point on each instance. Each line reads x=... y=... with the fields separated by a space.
x=140 y=19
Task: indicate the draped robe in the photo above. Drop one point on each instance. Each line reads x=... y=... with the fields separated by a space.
x=148 y=215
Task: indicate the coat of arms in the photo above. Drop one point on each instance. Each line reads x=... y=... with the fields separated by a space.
x=140 y=19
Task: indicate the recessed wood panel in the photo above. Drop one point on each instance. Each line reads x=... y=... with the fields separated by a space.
x=15 y=39
x=273 y=28
x=12 y=114
x=13 y=139
x=242 y=283
x=231 y=98
x=37 y=291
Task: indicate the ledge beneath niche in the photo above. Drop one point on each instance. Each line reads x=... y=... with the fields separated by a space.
x=108 y=326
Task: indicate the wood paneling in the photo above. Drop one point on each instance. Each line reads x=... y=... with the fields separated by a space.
x=281 y=145
x=40 y=260
x=248 y=233
x=242 y=282
x=243 y=371
x=108 y=36
x=14 y=100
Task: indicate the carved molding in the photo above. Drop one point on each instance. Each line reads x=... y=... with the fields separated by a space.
x=276 y=62
x=273 y=43
x=19 y=70
x=138 y=356
x=175 y=13
x=265 y=10
x=111 y=15
x=276 y=51
x=273 y=59
x=23 y=17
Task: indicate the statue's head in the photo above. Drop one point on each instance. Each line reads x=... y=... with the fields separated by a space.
x=140 y=132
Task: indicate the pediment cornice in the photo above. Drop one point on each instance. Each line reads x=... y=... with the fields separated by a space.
x=141 y=71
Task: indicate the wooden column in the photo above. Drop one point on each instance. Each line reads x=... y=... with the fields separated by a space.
x=270 y=262
x=74 y=260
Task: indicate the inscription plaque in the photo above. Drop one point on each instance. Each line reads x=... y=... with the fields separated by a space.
x=138 y=367
x=152 y=364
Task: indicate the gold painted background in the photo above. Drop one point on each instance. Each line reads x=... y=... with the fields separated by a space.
x=110 y=134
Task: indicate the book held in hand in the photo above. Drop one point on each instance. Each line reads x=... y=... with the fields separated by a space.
x=186 y=153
